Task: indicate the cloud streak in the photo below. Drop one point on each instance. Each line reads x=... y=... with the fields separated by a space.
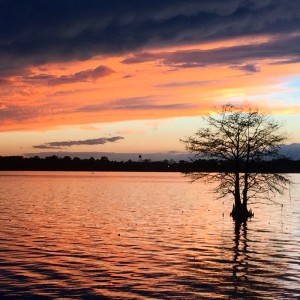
x=64 y=144
x=196 y=83
x=82 y=76
x=241 y=57
x=14 y=116
x=135 y=103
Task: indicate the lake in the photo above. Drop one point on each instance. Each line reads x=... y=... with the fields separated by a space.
x=84 y=235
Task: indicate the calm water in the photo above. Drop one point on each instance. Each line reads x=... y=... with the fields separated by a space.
x=141 y=236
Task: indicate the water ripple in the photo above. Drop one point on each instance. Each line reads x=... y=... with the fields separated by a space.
x=140 y=236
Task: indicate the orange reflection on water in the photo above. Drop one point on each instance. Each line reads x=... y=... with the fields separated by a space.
x=139 y=236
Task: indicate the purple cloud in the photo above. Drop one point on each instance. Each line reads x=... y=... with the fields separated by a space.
x=63 y=144
x=82 y=76
x=242 y=57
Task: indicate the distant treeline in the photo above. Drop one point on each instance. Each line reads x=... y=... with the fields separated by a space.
x=55 y=163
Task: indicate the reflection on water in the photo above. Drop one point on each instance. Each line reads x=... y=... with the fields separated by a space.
x=141 y=236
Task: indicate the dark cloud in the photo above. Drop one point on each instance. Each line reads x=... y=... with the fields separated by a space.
x=135 y=103
x=35 y=32
x=82 y=76
x=46 y=146
x=238 y=57
x=63 y=144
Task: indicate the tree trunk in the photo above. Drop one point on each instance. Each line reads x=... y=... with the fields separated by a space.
x=237 y=192
x=240 y=211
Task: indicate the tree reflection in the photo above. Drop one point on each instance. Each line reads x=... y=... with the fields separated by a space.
x=240 y=270
x=247 y=268
x=261 y=187
x=254 y=274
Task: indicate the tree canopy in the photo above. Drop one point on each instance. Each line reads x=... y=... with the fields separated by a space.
x=242 y=134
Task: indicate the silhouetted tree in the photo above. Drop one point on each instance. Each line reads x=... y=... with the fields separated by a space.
x=241 y=136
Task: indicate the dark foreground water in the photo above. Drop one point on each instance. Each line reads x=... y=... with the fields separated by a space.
x=141 y=236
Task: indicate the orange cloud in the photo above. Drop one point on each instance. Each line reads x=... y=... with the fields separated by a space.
x=104 y=89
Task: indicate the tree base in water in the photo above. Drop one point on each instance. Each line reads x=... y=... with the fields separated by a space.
x=241 y=214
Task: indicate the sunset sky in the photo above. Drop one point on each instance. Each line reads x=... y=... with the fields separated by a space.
x=136 y=76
